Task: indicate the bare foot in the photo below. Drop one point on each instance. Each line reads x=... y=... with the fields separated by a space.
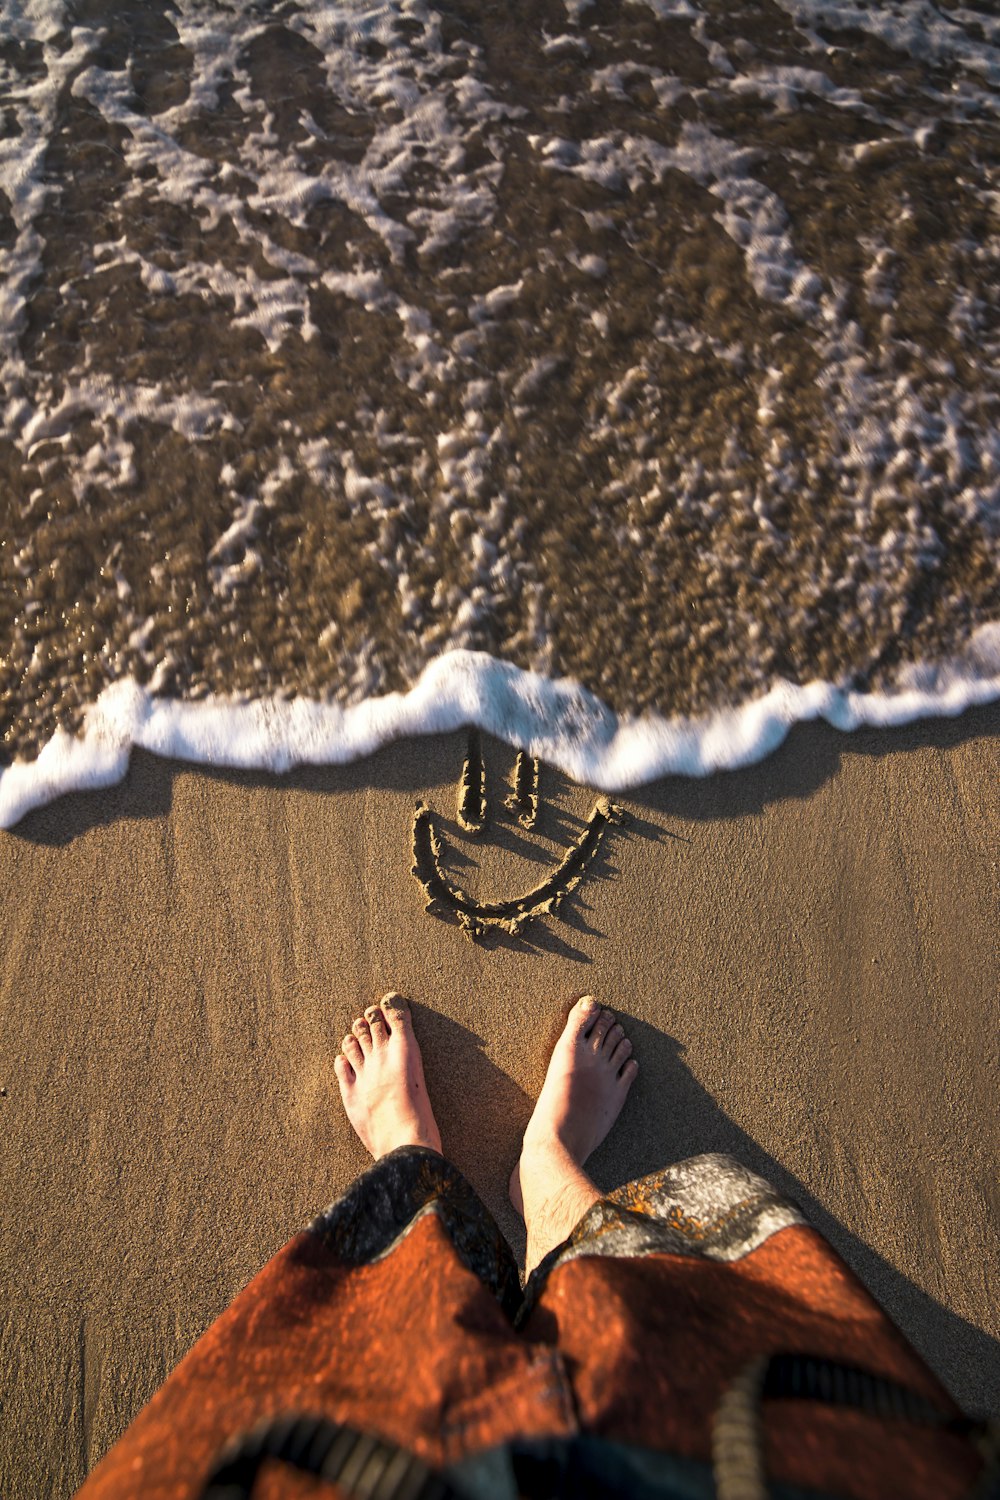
x=381 y=1079
x=589 y=1075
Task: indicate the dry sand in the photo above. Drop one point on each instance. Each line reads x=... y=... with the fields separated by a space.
x=806 y=953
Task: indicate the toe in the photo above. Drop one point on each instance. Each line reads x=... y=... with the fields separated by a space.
x=351 y=1049
x=602 y=1026
x=376 y=1025
x=622 y=1053
x=396 y=1011
x=614 y=1036
x=583 y=1015
x=629 y=1072
x=363 y=1033
x=345 y=1073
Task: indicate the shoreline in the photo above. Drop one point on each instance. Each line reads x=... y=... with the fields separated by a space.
x=554 y=719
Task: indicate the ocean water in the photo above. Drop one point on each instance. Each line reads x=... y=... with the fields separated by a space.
x=620 y=375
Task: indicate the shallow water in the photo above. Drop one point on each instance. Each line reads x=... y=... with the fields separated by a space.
x=654 y=345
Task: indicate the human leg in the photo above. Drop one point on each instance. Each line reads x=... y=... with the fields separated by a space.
x=661 y=1295
x=589 y=1075
x=392 y=1313
x=382 y=1086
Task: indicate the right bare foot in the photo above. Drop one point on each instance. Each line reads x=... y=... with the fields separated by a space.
x=589 y=1075
x=381 y=1077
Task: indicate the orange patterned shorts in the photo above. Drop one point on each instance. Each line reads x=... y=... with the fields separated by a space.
x=691 y=1319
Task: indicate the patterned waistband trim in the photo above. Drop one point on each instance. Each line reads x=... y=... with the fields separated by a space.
x=382 y=1206
x=709 y=1206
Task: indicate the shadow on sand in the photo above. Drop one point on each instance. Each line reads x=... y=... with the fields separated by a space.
x=483 y=1118
x=809 y=757
x=964 y=1354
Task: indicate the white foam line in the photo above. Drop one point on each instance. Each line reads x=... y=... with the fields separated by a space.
x=559 y=721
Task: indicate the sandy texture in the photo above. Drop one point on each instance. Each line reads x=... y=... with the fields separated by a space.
x=806 y=952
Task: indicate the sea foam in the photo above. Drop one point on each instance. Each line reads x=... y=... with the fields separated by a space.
x=556 y=720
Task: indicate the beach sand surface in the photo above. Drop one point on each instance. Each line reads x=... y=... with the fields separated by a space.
x=804 y=952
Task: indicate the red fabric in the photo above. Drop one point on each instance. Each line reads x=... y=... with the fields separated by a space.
x=417 y=1350
x=442 y=1373
x=651 y=1344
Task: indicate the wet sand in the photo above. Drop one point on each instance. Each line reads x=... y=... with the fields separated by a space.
x=805 y=953
x=300 y=407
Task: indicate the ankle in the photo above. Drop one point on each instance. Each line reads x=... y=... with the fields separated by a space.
x=546 y=1151
x=551 y=1220
x=400 y=1140
x=556 y=1194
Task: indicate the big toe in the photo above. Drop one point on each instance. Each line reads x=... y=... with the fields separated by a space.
x=581 y=1019
x=396 y=1010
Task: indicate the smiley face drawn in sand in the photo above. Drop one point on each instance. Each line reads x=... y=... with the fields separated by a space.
x=514 y=913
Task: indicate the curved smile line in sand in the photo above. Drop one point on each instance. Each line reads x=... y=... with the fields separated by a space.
x=514 y=913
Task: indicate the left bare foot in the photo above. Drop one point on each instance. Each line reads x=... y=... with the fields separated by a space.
x=381 y=1078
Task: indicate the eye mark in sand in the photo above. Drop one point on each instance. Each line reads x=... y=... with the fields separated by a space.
x=511 y=915
x=472 y=788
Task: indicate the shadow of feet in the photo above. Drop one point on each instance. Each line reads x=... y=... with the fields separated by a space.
x=964 y=1356
x=481 y=1112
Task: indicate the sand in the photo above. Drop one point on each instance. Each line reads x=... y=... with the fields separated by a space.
x=805 y=953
